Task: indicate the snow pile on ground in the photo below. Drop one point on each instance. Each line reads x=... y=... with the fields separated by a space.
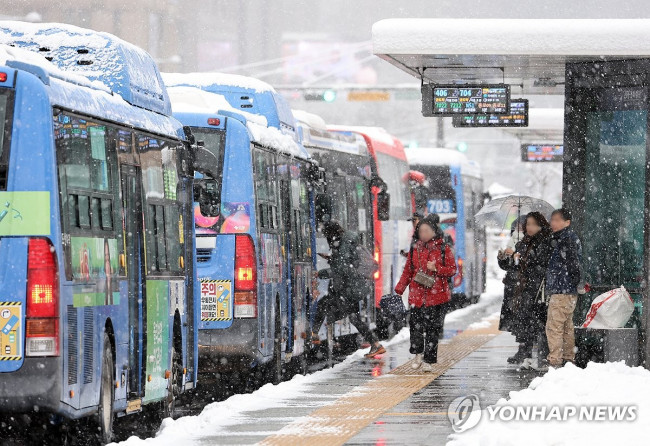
x=611 y=384
x=216 y=417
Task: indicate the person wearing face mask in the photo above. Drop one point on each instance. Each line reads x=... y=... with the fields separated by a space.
x=429 y=266
x=511 y=280
x=530 y=298
x=347 y=287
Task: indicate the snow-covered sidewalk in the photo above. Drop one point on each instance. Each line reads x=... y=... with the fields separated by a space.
x=604 y=404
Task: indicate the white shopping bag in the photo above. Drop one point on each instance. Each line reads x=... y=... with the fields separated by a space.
x=610 y=310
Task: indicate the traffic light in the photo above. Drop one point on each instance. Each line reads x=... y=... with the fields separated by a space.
x=320 y=95
x=461 y=147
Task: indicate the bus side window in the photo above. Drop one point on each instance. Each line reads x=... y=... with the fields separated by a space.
x=162 y=219
x=86 y=164
x=266 y=189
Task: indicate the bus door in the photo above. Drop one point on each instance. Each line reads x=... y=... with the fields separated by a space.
x=134 y=265
x=287 y=243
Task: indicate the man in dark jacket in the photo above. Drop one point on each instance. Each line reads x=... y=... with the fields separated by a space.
x=562 y=279
x=347 y=286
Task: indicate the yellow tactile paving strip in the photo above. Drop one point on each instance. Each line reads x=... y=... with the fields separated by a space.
x=336 y=423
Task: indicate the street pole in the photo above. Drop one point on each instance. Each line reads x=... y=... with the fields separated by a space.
x=440 y=136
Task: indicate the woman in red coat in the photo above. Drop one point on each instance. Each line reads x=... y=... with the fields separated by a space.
x=426 y=300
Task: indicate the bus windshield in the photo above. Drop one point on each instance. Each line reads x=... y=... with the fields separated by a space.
x=439 y=197
x=207 y=190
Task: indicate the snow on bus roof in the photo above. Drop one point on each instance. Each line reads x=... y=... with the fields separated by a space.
x=312 y=120
x=9 y=54
x=203 y=80
x=76 y=92
x=273 y=138
x=377 y=133
x=194 y=100
x=314 y=133
x=431 y=156
x=126 y=69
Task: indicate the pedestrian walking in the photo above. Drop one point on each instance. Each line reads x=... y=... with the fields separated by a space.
x=347 y=286
x=562 y=279
x=429 y=264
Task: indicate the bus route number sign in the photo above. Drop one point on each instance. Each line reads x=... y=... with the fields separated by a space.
x=454 y=100
x=440 y=206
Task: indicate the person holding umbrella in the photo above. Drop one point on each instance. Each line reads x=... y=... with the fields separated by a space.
x=530 y=304
x=511 y=280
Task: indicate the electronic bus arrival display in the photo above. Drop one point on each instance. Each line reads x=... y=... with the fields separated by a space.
x=453 y=100
x=542 y=152
x=517 y=117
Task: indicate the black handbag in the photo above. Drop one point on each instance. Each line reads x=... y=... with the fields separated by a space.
x=393 y=305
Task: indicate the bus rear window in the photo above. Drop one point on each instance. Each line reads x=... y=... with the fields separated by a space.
x=6 y=114
x=207 y=190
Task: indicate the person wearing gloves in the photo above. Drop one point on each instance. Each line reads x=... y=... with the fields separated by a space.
x=429 y=265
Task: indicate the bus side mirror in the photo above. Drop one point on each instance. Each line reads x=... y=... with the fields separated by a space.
x=383 y=206
x=206 y=193
x=323 y=205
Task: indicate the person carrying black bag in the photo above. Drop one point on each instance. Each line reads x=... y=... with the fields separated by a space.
x=428 y=268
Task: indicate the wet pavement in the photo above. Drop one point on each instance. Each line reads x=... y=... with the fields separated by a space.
x=422 y=418
x=368 y=401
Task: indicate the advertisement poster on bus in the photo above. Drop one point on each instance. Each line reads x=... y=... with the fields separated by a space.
x=95 y=260
x=157 y=339
x=11 y=348
x=236 y=218
x=24 y=213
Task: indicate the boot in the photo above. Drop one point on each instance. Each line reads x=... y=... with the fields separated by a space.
x=521 y=354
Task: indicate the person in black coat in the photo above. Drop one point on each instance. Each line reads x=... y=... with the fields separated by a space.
x=530 y=304
x=511 y=280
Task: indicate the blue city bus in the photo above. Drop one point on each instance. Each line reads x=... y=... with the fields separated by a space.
x=97 y=247
x=254 y=236
x=454 y=190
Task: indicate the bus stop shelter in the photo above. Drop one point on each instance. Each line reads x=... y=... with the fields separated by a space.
x=602 y=68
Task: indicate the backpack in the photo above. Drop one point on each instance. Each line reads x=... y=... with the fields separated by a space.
x=443 y=253
x=367 y=265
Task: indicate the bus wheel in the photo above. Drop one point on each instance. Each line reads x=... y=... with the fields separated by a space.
x=173 y=387
x=276 y=371
x=106 y=394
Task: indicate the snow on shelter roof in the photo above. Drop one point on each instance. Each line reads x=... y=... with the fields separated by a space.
x=431 y=156
x=512 y=51
x=126 y=69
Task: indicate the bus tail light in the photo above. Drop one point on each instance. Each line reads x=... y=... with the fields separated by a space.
x=377 y=273
x=245 y=277
x=458 y=278
x=42 y=309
